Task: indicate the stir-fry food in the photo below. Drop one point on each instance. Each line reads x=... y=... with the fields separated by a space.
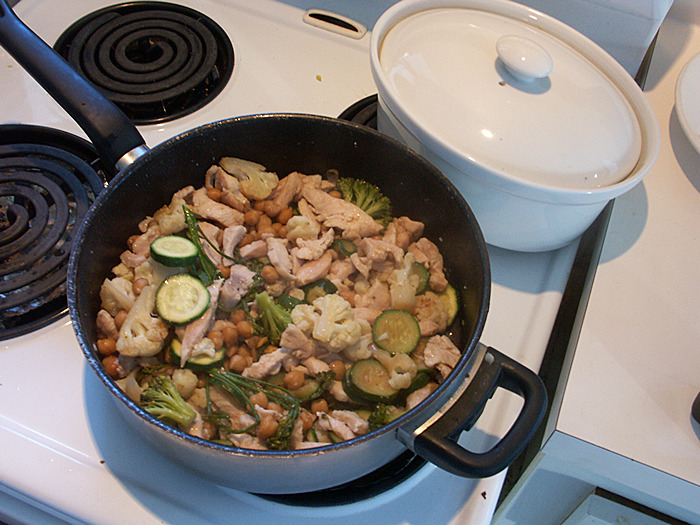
x=277 y=314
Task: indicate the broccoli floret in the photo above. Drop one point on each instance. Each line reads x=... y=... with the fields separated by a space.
x=380 y=416
x=162 y=400
x=367 y=197
x=273 y=317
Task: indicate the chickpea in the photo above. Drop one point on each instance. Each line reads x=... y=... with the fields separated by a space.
x=264 y=221
x=230 y=351
x=139 y=285
x=284 y=215
x=237 y=316
x=259 y=206
x=244 y=352
x=282 y=231
x=106 y=346
x=214 y=194
x=274 y=406
x=247 y=239
x=230 y=335
x=252 y=342
x=338 y=368
x=245 y=329
x=269 y=274
x=251 y=217
x=119 y=318
x=111 y=365
x=260 y=399
x=267 y=427
x=267 y=230
x=319 y=405
x=348 y=295
x=225 y=271
x=237 y=363
x=131 y=240
x=294 y=379
x=216 y=337
x=271 y=208
x=307 y=420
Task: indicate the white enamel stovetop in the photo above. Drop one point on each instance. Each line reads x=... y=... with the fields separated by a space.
x=64 y=456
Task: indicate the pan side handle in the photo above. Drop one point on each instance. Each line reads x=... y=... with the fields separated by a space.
x=437 y=440
x=108 y=128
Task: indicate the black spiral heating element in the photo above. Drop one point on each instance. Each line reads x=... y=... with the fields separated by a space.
x=156 y=61
x=48 y=179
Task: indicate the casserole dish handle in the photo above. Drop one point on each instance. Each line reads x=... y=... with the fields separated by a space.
x=437 y=442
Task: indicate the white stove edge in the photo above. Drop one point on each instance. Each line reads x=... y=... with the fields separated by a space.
x=60 y=470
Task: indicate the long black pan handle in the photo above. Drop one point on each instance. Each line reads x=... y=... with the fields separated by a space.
x=107 y=127
x=438 y=442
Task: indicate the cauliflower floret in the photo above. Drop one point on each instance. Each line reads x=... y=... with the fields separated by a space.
x=256 y=182
x=142 y=334
x=117 y=294
x=330 y=320
x=402 y=369
x=185 y=381
x=301 y=227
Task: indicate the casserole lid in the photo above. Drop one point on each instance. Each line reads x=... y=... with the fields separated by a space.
x=499 y=92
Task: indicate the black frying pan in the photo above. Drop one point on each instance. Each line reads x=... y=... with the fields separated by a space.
x=147 y=179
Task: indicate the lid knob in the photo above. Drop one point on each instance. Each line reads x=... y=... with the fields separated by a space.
x=525 y=59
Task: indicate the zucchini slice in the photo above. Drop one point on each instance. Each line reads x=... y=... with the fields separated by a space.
x=396 y=331
x=181 y=299
x=367 y=382
x=449 y=298
x=344 y=247
x=173 y=250
x=316 y=289
x=423 y=275
x=200 y=362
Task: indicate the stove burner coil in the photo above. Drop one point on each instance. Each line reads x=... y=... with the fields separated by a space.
x=156 y=61
x=45 y=191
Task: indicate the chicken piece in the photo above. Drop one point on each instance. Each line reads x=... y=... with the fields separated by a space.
x=440 y=353
x=301 y=345
x=270 y=364
x=253 y=250
x=330 y=424
x=230 y=187
x=431 y=313
x=368 y=314
x=428 y=254
x=236 y=286
x=288 y=189
x=211 y=232
x=280 y=257
x=338 y=213
x=311 y=250
x=206 y=208
x=376 y=298
x=142 y=244
x=402 y=231
x=338 y=392
x=240 y=419
x=315 y=366
x=232 y=236
x=416 y=397
x=357 y=424
x=131 y=259
x=340 y=270
x=380 y=254
x=106 y=324
x=197 y=329
x=314 y=270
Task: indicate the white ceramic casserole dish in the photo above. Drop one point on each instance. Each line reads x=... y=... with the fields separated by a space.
x=536 y=125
